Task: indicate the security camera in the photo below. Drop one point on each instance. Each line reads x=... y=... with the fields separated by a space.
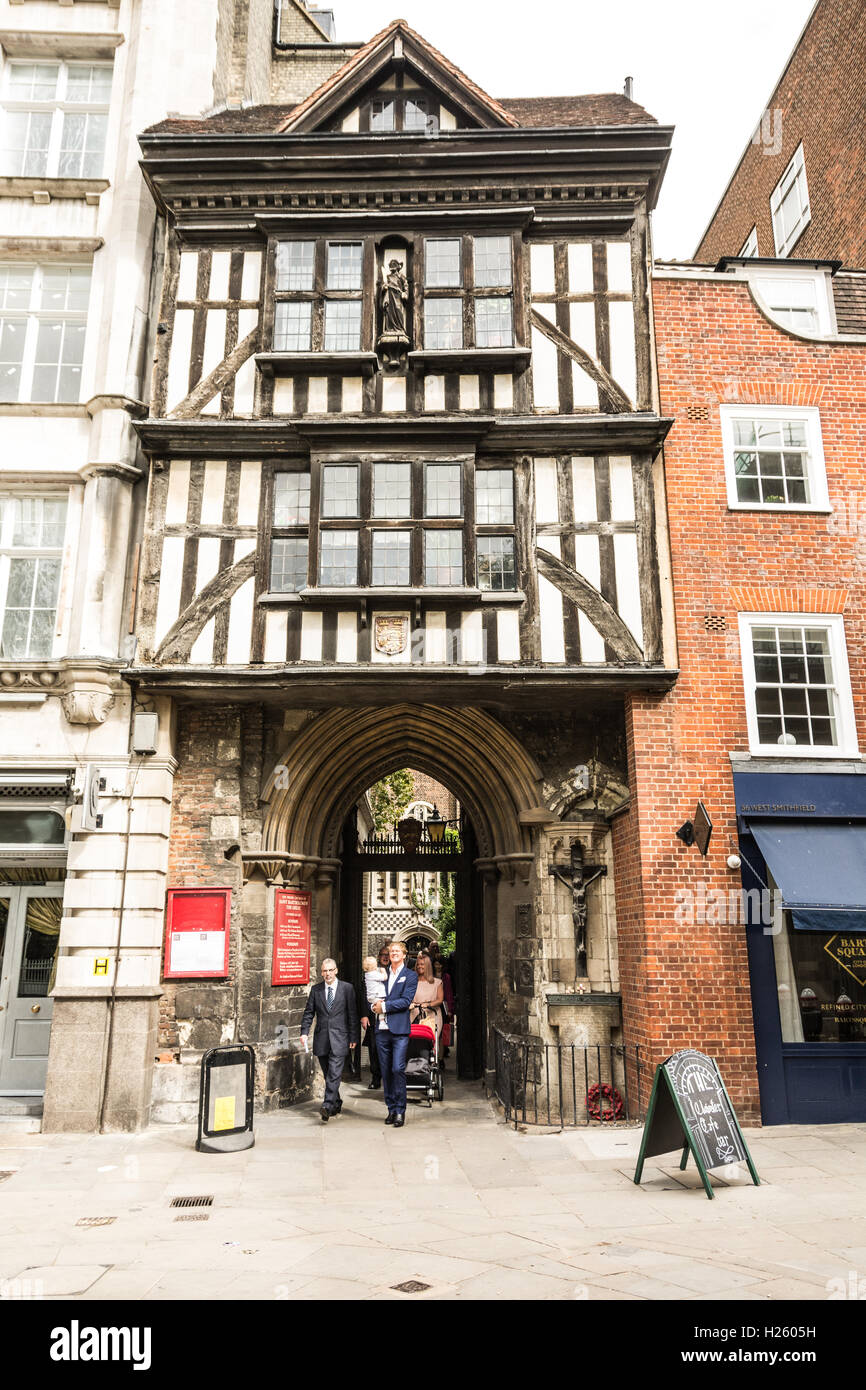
x=734 y=861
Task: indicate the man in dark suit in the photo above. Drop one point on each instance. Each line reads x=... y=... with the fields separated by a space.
x=392 y=1031
x=334 y=1007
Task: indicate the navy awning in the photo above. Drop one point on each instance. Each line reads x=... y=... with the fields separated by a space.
x=820 y=870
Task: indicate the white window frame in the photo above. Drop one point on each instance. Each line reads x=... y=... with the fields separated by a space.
x=847 y=746
x=750 y=245
x=34 y=315
x=794 y=175
x=777 y=291
x=8 y=553
x=58 y=107
x=817 y=472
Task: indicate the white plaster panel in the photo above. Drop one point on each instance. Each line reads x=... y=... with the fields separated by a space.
x=284 y=395
x=208 y=561
x=393 y=393
x=621 y=488
x=550 y=609
x=503 y=391
x=177 y=388
x=434 y=393
x=311 y=636
x=201 y=651
x=628 y=584
x=580 y=280
x=545 y=366
x=317 y=396
x=170 y=573
x=472 y=638
x=187 y=280
x=276 y=635
x=436 y=638
x=251 y=275
x=583 y=489
x=347 y=637
x=582 y=321
x=219 y=275
x=353 y=395
x=213 y=493
x=588 y=564
x=248 y=500
x=351 y=122
x=245 y=376
x=469 y=393
x=177 y=495
x=507 y=635
x=623 y=367
x=546 y=496
x=447 y=119
x=619 y=267
x=241 y=624
x=214 y=341
x=541 y=271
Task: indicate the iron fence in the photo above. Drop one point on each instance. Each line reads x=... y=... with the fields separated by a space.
x=567 y=1085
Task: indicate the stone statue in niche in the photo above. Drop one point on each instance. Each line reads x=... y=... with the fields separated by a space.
x=393 y=341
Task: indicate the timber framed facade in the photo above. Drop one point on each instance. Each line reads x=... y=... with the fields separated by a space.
x=405 y=510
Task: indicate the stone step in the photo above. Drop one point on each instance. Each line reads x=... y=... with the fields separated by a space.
x=19 y=1106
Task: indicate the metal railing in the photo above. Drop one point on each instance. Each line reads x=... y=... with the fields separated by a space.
x=567 y=1085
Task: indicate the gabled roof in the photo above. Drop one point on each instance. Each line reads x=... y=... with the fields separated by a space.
x=396 y=41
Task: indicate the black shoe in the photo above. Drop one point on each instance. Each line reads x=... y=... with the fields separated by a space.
x=399 y=1121
x=374 y=1086
x=337 y=1109
x=392 y=1118
x=325 y=1113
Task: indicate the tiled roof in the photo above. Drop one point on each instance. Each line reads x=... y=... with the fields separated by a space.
x=595 y=109
x=849 y=295
x=600 y=109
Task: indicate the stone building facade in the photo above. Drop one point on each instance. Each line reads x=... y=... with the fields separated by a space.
x=405 y=509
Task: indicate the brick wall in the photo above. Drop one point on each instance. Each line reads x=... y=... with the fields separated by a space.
x=688 y=984
x=819 y=101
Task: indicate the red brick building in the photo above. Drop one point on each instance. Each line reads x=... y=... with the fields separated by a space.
x=767 y=516
x=798 y=188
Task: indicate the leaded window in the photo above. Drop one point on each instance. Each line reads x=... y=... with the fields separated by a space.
x=481 y=315
x=319 y=294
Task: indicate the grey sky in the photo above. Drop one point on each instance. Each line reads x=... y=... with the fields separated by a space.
x=707 y=71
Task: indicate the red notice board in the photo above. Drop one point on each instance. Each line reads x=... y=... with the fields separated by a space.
x=197 y=933
x=292 y=918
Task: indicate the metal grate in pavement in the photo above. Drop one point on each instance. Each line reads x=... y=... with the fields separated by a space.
x=411 y=1286
x=96 y=1220
x=194 y=1216
x=192 y=1201
x=9 y=1174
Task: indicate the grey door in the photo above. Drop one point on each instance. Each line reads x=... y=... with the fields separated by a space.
x=29 y=933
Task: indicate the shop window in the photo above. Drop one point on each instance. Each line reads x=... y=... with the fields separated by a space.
x=821 y=983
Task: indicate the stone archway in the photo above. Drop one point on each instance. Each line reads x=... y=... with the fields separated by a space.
x=339 y=754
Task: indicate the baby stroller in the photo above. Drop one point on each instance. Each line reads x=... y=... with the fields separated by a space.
x=423 y=1072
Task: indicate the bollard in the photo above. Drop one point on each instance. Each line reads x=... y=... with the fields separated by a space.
x=225 y=1107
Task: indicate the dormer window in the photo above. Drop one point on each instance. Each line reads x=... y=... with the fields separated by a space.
x=400 y=111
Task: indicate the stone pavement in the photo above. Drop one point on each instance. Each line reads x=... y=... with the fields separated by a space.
x=487 y=1213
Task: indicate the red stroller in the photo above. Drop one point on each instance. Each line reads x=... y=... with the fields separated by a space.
x=423 y=1072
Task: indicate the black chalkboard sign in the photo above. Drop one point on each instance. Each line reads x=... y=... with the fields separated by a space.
x=690 y=1108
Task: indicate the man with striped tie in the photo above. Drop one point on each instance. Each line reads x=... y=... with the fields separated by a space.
x=335 y=1009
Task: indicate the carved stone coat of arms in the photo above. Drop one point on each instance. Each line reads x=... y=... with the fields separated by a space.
x=391 y=634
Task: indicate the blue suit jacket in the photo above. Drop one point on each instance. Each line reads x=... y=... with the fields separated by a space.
x=397 y=1003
